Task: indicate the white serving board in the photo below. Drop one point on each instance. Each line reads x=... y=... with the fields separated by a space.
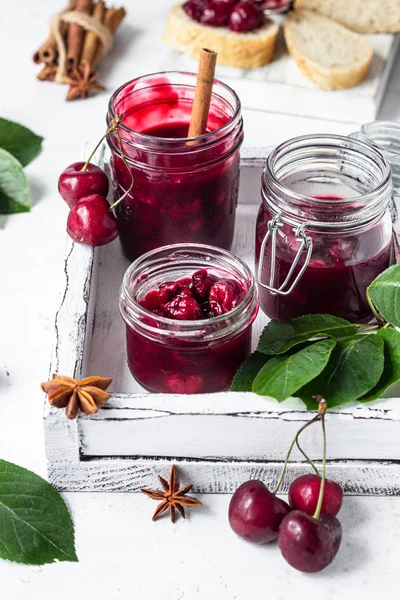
x=218 y=440
x=279 y=87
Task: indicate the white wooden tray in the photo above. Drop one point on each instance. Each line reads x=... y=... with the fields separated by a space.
x=218 y=440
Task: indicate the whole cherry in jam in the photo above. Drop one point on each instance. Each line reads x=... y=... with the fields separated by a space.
x=183 y=309
x=223 y=297
x=244 y=16
x=185 y=384
x=202 y=283
x=308 y=544
x=90 y=221
x=255 y=514
x=75 y=183
x=304 y=492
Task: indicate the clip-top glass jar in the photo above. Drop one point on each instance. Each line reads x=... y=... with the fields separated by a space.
x=324 y=230
x=185 y=189
x=186 y=356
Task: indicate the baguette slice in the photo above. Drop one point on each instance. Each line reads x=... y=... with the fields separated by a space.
x=243 y=50
x=330 y=55
x=365 y=16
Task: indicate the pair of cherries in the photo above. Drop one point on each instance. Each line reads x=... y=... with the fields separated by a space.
x=307 y=530
x=84 y=187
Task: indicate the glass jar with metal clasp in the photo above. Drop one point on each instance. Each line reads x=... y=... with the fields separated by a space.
x=324 y=228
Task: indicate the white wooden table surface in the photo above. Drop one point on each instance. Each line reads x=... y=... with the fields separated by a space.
x=122 y=553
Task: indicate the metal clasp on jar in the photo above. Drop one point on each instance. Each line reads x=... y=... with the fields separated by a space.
x=306 y=244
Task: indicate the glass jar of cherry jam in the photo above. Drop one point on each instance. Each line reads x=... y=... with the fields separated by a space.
x=185 y=189
x=188 y=310
x=324 y=229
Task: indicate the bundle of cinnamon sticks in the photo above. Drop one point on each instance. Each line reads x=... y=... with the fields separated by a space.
x=76 y=44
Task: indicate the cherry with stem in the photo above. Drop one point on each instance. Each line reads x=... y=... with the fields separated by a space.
x=255 y=513
x=310 y=543
x=85 y=187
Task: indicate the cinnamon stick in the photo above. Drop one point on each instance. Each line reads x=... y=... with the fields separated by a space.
x=202 y=95
x=112 y=19
x=75 y=36
x=48 y=73
x=47 y=53
x=91 y=41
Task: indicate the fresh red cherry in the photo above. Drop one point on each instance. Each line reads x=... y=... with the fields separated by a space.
x=304 y=492
x=189 y=384
x=90 y=221
x=183 y=308
x=74 y=184
x=194 y=8
x=307 y=544
x=216 y=14
x=244 y=17
x=255 y=514
x=224 y=296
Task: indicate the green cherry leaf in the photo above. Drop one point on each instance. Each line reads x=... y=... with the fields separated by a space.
x=354 y=368
x=19 y=141
x=35 y=525
x=243 y=380
x=278 y=338
x=391 y=369
x=282 y=376
x=384 y=293
x=15 y=194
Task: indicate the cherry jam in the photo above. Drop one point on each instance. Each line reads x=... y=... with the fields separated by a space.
x=335 y=281
x=189 y=311
x=184 y=190
x=326 y=227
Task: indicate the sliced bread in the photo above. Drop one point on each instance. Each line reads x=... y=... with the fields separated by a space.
x=242 y=50
x=365 y=16
x=330 y=55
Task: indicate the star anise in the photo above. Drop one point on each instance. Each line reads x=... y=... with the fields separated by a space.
x=87 y=394
x=82 y=83
x=172 y=497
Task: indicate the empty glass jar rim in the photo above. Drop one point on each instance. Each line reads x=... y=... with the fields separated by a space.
x=335 y=142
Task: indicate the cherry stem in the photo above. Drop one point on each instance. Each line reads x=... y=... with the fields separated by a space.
x=113 y=127
x=282 y=475
x=322 y=488
x=308 y=459
x=124 y=195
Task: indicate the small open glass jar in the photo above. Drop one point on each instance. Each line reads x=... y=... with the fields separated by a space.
x=183 y=356
x=185 y=189
x=324 y=229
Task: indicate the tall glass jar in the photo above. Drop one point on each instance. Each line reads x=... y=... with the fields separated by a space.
x=324 y=229
x=184 y=356
x=185 y=189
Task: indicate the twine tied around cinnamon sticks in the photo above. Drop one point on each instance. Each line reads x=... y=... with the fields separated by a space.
x=80 y=36
x=89 y=23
